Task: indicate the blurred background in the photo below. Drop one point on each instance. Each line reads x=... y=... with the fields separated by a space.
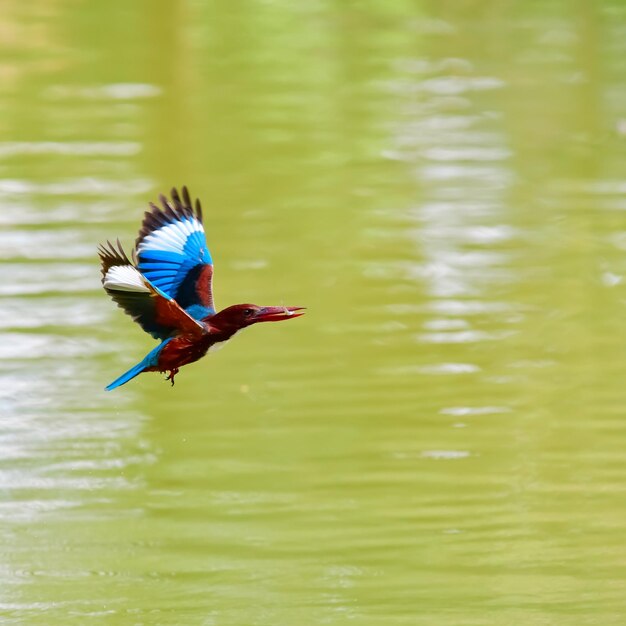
x=440 y=441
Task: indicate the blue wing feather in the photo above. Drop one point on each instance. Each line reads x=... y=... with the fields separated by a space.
x=173 y=255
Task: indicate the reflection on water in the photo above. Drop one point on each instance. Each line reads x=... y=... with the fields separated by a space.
x=440 y=441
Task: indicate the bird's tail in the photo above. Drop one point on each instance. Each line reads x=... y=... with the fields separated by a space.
x=126 y=376
x=151 y=359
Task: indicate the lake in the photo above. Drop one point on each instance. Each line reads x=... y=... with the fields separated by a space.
x=440 y=440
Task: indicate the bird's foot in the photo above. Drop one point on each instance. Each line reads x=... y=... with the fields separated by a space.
x=172 y=374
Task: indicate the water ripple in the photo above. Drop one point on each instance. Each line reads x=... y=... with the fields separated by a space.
x=29 y=279
x=475 y=410
x=17 y=313
x=75 y=186
x=466 y=336
x=112 y=91
x=46 y=244
x=15 y=346
x=445 y=454
x=77 y=148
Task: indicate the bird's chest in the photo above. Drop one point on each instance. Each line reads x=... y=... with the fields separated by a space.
x=182 y=350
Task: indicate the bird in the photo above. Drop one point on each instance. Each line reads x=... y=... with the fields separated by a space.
x=166 y=286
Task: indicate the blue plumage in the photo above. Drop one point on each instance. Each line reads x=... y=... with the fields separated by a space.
x=199 y=312
x=173 y=255
x=150 y=360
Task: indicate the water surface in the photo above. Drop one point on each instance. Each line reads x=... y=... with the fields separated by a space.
x=440 y=440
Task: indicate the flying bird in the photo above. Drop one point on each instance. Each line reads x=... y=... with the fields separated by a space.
x=167 y=288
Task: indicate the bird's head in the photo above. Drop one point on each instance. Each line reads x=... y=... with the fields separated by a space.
x=239 y=316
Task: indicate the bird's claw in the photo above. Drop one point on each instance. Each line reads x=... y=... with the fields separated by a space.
x=171 y=375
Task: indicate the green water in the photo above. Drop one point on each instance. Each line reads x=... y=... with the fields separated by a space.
x=440 y=441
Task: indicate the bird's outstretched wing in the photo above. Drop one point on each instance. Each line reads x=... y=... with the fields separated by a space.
x=172 y=253
x=155 y=311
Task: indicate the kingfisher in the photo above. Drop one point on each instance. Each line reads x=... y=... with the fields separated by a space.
x=167 y=288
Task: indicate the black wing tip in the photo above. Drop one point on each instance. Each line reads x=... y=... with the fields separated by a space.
x=199 y=210
x=186 y=205
x=180 y=207
x=112 y=254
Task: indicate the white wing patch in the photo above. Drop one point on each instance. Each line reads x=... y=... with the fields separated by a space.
x=125 y=278
x=171 y=238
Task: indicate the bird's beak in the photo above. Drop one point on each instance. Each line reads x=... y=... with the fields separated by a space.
x=278 y=313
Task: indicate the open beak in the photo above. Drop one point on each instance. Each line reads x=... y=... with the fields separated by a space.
x=278 y=313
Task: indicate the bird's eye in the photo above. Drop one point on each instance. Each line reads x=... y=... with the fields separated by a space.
x=248 y=312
